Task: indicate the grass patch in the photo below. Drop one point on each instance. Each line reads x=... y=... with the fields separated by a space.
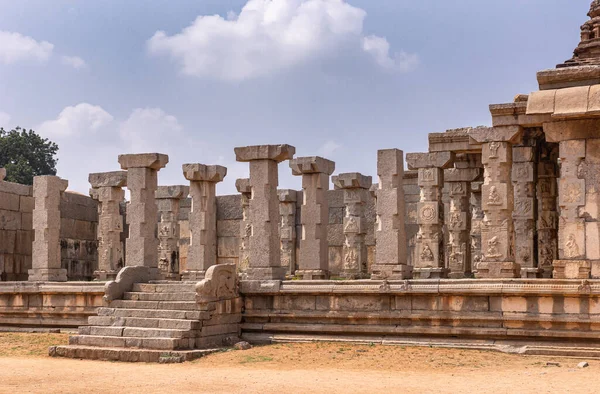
x=13 y=344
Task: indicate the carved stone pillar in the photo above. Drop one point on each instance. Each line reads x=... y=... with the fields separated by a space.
x=313 y=259
x=46 y=266
x=142 y=181
x=572 y=254
x=243 y=187
x=458 y=220
x=202 y=252
x=168 y=199
x=391 y=261
x=524 y=175
x=264 y=249
x=107 y=189
x=476 y=221
x=547 y=224
x=497 y=230
x=287 y=232
x=356 y=188
x=430 y=251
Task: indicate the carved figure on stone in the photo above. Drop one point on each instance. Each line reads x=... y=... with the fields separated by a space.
x=572 y=193
x=493 y=251
x=494 y=197
x=428 y=214
x=456 y=220
x=523 y=207
x=220 y=283
x=494 y=146
x=524 y=254
x=428 y=175
x=352 y=226
x=571 y=247
x=351 y=260
x=426 y=253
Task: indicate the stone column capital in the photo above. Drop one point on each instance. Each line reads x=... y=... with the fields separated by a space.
x=352 y=180
x=243 y=185
x=287 y=195
x=175 y=192
x=108 y=179
x=276 y=153
x=442 y=160
x=496 y=134
x=196 y=172
x=312 y=165
x=155 y=161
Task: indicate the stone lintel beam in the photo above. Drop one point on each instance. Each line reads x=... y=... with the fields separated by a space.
x=312 y=165
x=276 y=153
x=196 y=172
x=287 y=195
x=352 y=180
x=576 y=129
x=429 y=160
x=175 y=192
x=454 y=140
x=155 y=161
x=243 y=185
x=2 y=173
x=462 y=174
x=496 y=134
x=108 y=179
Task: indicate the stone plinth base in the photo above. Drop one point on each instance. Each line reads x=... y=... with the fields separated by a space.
x=495 y=269
x=105 y=275
x=48 y=275
x=572 y=269
x=312 y=274
x=354 y=275
x=193 y=275
x=531 y=273
x=273 y=273
x=391 y=272
x=430 y=273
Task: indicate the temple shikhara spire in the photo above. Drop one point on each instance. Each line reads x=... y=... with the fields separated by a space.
x=588 y=50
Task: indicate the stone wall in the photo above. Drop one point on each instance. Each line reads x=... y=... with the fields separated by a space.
x=16 y=230
x=557 y=310
x=47 y=305
x=229 y=216
x=78 y=223
x=79 y=218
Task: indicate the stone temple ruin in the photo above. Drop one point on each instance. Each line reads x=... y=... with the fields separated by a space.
x=492 y=236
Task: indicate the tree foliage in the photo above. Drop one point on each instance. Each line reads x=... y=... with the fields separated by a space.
x=25 y=154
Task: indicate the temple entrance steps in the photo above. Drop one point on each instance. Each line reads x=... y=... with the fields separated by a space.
x=155 y=322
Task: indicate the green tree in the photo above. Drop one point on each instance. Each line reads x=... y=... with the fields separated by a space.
x=25 y=154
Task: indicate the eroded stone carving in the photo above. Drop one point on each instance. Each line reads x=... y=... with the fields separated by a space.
x=220 y=283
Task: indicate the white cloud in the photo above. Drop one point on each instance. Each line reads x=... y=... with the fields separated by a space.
x=329 y=148
x=271 y=35
x=4 y=119
x=73 y=61
x=379 y=48
x=80 y=119
x=150 y=130
x=16 y=47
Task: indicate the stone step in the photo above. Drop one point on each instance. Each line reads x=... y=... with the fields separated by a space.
x=132 y=342
x=176 y=324
x=185 y=287
x=127 y=355
x=152 y=313
x=164 y=305
x=134 y=332
x=140 y=296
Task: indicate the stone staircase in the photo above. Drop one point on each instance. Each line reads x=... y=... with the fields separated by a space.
x=156 y=322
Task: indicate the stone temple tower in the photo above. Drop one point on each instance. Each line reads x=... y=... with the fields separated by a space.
x=588 y=50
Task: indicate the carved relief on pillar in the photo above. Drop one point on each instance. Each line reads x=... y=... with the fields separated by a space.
x=287 y=232
x=356 y=187
x=547 y=220
x=243 y=187
x=476 y=220
x=430 y=212
x=497 y=230
x=168 y=199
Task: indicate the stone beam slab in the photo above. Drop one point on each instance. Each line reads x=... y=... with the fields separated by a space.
x=312 y=165
x=156 y=161
x=108 y=179
x=276 y=153
x=429 y=160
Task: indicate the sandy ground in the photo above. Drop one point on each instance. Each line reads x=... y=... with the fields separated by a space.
x=294 y=368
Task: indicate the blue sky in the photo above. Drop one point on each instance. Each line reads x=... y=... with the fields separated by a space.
x=333 y=78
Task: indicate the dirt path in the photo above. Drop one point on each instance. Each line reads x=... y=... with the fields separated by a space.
x=299 y=368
